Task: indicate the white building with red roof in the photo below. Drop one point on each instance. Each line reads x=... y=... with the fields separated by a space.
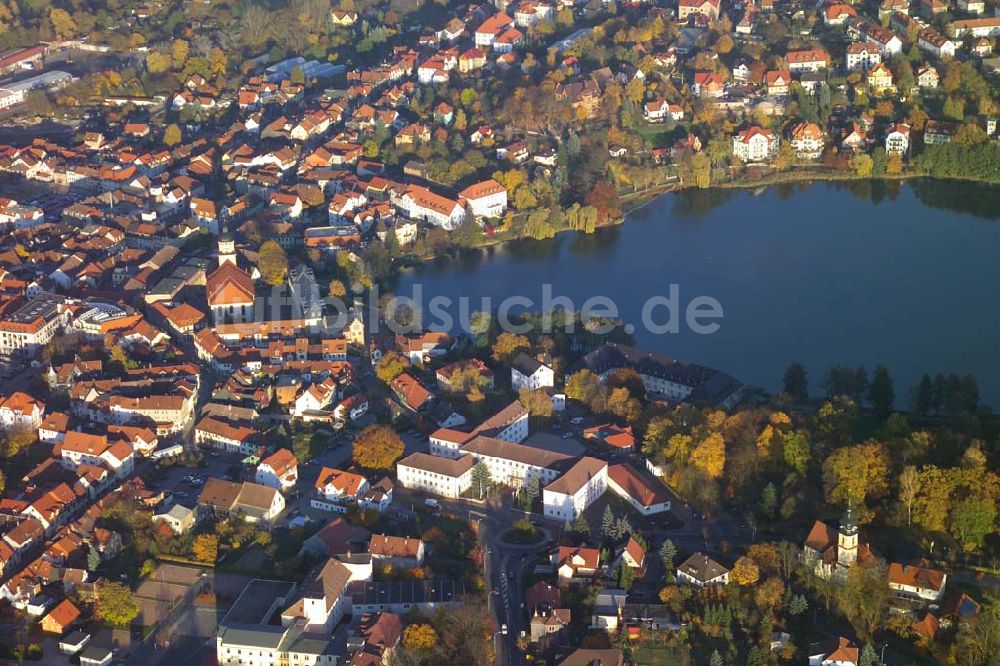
x=20 y=410
x=419 y=203
x=280 y=471
x=485 y=199
x=756 y=144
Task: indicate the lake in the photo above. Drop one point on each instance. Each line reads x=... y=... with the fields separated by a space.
x=864 y=273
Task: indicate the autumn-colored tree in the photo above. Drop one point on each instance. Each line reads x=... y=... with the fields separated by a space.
x=769 y=593
x=710 y=455
x=795 y=450
x=18 y=440
x=272 y=263
x=507 y=345
x=852 y=474
x=582 y=386
x=604 y=197
x=623 y=405
x=679 y=447
x=537 y=402
x=377 y=447
x=205 y=548
x=337 y=289
x=157 y=62
x=391 y=365
x=172 y=135
x=62 y=23
x=744 y=572
x=179 y=50
x=116 y=604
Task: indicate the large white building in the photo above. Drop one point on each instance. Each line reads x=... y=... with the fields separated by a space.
x=665 y=377
x=513 y=464
x=250 y=634
x=486 y=199
x=32 y=326
x=420 y=203
x=436 y=475
x=528 y=372
x=756 y=144
x=569 y=495
x=78 y=448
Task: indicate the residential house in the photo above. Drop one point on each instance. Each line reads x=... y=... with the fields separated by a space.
x=917 y=581
x=405 y=552
x=756 y=144
x=807 y=139
x=879 y=79
x=701 y=570
x=576 y=563
x=862 y=56
x=280 y=471
x=531 y=373
x=897 y=139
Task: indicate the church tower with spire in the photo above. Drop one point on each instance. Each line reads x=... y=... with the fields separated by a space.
x=227 y=248
x=847 y=541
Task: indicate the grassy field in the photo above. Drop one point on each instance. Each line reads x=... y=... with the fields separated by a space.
x=652 y=654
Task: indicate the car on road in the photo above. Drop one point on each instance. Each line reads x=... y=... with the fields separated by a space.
x=503 y=629
x=576 y=420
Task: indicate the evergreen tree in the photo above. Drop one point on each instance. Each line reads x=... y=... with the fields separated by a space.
x=668 y=551
x=716 y=659
x=769 y=500
x=755 y=657
x=796 y=382
x=580 y=526
x=924 y=399
x=868 y=656
x=798 y=605
x=626 y=576
x=607 y=523
x=880 y=393
x=93 y=558
x=530 y=492
x=480 y=479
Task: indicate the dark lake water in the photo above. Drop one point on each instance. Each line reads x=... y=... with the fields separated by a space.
x=901 y=274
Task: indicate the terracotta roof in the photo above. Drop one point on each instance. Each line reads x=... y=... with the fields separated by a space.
x=64 y=614
x=347 y=483
x=281 y=461
x=916 y=576
x=393 y=546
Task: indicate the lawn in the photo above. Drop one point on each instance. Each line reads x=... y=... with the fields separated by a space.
x=651 y=654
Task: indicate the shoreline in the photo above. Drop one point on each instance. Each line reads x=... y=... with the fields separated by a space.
x=635 y=201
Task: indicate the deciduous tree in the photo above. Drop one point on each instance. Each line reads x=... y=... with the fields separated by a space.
x=116 y=604
x=272 y=263
x=391 y=365
x=421 y=637
x=507 y=346
x=378 y=447
x=205 y=548
x=852 y=474
x=710 y=455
